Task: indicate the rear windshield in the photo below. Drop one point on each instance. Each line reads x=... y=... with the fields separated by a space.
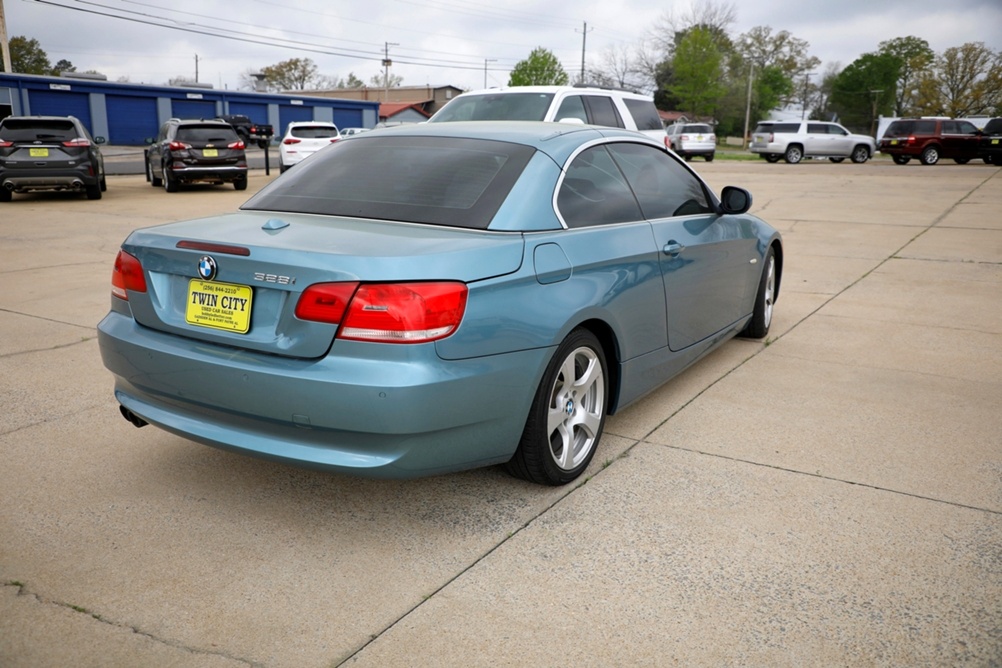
x=698 y=127
x=435 y=180
x=313 y=131
x=496 y=107
x=30 y=129
x=764 y=127
x=206 y=134
x=644 y=113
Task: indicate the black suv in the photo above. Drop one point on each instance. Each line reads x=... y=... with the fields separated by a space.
x=195 y=151
x=930 y=139
x=49 y=153
x=990 y=146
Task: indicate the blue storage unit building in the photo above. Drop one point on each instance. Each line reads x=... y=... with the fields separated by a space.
x=127 y=114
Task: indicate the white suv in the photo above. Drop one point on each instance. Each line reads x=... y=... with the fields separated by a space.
x=796 y=140
x=569 y=104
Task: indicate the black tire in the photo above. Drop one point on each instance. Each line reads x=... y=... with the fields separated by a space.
x=772 y=158
x=154 y=180
x=930 y=155
x=687 y=157
x=93 y=192
x=6 y=195
x=794 y=154
x=901 y=159
x=262 y=143
x=710 y=156
x=837 y=160
x=104 y=184
x=765 y=298
x=240 y=184
x=170 y=181
x=567 y=416
x=961 y=161
x=860 y=154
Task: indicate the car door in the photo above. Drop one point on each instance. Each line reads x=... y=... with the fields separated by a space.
x=154 y=154
x=960 y=140
x=708 y=261
x=839 y=140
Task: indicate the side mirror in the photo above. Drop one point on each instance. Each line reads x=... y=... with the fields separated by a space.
x=734 y=200
x=99 y=140
x=150 y=140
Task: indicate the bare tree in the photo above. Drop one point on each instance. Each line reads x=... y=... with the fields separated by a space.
x=713 y=16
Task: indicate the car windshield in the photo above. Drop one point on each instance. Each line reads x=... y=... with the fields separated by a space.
x=206 y=134
x=435 y=180
x=33 y=129
x=993 y=127
x=496 y=107
x=313 y=131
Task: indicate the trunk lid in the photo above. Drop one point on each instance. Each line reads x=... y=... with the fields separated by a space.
x=268 y=259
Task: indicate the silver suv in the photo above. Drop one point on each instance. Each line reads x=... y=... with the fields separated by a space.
x=796 y=140
x=567 y=104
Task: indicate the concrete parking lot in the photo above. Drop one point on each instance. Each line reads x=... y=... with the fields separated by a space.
x=831 y=496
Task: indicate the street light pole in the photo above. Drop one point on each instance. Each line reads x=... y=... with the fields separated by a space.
x=487 y=60
x=4 y=45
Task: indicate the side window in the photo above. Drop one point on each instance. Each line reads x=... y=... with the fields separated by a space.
x=925 y=127
x=817 y=128
x=603 y=111
x=644 y=113
x=572 y=107
x=663 y=186
x=594 y=192
x=951 y=128
x=966 y=128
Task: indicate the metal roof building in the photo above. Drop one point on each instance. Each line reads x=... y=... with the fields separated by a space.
x=127 y=114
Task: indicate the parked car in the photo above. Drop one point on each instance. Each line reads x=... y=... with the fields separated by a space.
x=196 y=151
x=693 y=139
x=930 y=140
x=568 y=104
x=49 y=153
x=303 y=139
x=990 y=143
x=437 y=297
x=795 y=140
x=350 y=132
x=249 y=131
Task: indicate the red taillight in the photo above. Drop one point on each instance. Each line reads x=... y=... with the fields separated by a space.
x=910 y=140
x=79 y=142
x=127 y=275
x=667 y=142
x=684 y=137
x=387 y=312
x=238 y=145
x=334 y=139
x=325 y=302
x=291 y=140
x=178 y=146
x=772 y=137
x=5 y=144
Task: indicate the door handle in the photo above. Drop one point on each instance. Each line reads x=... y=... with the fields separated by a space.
x=673 y=248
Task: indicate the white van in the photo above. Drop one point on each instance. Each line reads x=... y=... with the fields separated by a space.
x=567 y=104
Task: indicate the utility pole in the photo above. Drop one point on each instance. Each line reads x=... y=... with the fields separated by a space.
x=386 y=70
x=751 y=75
x=807 y=83
x=584 y=39
x=196 y=68
x=4 y=45
x=873 y=115
x=487 y=60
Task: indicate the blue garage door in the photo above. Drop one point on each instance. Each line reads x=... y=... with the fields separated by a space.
x=348 y=118
x=193 y=109
x=131 y=120
x=256 y=112
x=288 y=113
x=61 y=103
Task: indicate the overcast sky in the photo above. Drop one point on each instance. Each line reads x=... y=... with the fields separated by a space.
x=443 y=42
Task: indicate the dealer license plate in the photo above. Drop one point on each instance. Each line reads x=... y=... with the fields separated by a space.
x=995 y=141
x=210 y=152
x=38 y=152
x=219 y=305
x=894 y=142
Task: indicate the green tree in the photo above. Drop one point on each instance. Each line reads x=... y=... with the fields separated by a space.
x=28 y=57
x=915 y=58
x=292 y=74
x=698 y=70
x=63 y=66
x=541 y=68
x=963 y=81
x=353 y=81
x=865 y=89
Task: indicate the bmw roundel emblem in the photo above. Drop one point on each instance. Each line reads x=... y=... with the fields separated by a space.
x=207 y=267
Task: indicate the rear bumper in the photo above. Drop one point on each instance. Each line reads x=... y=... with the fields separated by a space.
x=375 y=410
x=222 y=174
x=21 y=180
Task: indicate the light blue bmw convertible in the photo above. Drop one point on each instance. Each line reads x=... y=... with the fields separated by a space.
x=438 y=297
